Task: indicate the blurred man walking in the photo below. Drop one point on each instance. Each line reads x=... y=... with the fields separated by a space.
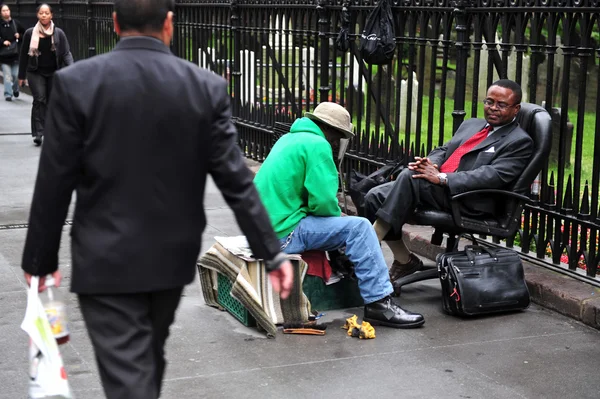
x=136 y=132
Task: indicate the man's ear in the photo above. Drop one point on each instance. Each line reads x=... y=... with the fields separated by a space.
x=168 y=28
x=116 y=23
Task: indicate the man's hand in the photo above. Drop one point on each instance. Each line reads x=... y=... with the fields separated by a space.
x=420 y=162
x=425 y=170
x=282 y=279
x=22 y=82
x=17 y=35
x=42 y=286
x=6 y=43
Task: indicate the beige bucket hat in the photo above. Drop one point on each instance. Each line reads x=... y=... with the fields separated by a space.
x=333 y=115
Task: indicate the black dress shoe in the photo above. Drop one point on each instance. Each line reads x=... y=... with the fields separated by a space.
x=37 y=140
x=385 y=312
x=399 y=270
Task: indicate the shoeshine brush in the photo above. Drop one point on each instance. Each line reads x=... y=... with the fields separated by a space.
x=304 y=328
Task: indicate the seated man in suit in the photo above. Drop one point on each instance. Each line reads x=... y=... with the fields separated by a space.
x=484 y=153
x=298 y=184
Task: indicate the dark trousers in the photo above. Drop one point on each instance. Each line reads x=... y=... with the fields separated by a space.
x=129 y=332
x=41 y=86
x=396 y=201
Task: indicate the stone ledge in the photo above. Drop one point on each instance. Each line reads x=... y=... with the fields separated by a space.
x=564 y=294
x=547 y=288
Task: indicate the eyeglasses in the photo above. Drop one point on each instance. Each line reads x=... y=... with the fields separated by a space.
x=501 y=106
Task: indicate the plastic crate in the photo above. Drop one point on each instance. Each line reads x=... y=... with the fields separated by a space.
x=231 y=304
x=341 y=295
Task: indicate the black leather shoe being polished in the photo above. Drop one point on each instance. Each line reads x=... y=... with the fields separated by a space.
x=399 y=270
x=385 y=312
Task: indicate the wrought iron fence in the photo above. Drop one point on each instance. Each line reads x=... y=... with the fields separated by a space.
x=281 y=59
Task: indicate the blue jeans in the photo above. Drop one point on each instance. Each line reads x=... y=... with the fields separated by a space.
x=362 y=248
x=11 y=79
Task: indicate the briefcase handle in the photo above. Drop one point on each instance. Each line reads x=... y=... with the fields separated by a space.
x=471 y=251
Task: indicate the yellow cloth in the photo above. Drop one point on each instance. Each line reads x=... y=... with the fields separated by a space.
x=362 y=331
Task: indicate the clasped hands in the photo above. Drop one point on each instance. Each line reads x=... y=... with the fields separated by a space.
x=425 y=169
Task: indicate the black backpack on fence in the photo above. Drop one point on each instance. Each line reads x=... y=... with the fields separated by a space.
x=378 y=40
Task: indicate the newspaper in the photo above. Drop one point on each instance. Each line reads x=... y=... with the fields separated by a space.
x=238 y=245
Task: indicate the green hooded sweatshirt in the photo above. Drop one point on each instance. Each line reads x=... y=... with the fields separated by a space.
x=298 y=178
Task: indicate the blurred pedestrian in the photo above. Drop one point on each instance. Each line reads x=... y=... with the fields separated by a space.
x=10 y=32
x=45 y=49
x=136 y=132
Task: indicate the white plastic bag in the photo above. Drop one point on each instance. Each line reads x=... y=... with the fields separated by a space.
x=47 y=373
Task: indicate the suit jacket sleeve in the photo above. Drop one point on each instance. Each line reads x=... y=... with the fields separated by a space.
x=437 y=155
x=505 y=167
x=236 y=181
x=58 y=173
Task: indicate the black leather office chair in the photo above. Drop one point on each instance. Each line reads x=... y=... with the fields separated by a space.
x=536 y=121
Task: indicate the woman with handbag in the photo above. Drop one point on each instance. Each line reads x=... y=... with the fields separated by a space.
x=10 y=32
x=44 y=50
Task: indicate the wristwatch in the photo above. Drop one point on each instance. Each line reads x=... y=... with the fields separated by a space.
x=443 y=179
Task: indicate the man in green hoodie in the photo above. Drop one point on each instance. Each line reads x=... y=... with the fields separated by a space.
x=298 y=184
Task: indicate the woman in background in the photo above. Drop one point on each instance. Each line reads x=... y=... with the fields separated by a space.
x=44 y=50
x=10 y=32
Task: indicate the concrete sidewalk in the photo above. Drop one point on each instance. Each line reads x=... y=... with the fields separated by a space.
x=537 y=353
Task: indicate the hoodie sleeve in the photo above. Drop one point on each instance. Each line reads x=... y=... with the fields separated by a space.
x=321 y=183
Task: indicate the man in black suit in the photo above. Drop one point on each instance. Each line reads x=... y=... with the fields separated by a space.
x=484 y=153
x=135 y=132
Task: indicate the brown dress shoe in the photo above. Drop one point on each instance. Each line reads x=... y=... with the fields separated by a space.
x=399 y=270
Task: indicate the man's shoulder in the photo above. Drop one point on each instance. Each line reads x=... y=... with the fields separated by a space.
x=520 y=134
x=304 y=140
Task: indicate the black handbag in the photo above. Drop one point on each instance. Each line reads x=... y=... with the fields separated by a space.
x=10 y=50
x=482 y=280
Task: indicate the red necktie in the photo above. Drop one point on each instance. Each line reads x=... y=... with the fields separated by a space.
x=452 y=162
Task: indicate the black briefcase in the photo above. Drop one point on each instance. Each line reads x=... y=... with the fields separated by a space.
x=482 y=280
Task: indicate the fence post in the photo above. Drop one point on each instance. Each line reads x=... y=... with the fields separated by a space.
x=462 y=52
x=91 y=32
x=324 y=87
x=235 y=69
x=60 y=14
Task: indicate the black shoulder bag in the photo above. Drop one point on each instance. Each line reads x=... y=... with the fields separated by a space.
x=482 y=280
